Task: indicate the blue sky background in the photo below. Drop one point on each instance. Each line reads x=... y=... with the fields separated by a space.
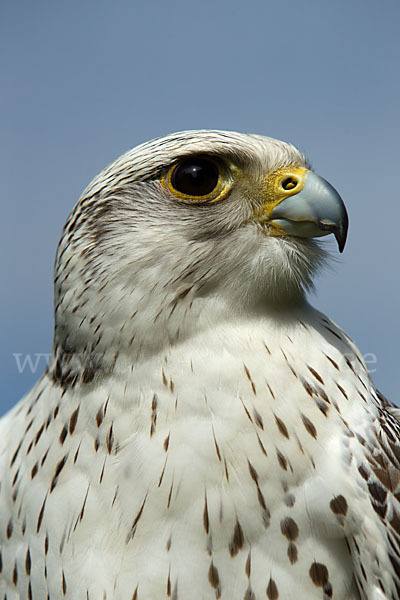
x=83 y=81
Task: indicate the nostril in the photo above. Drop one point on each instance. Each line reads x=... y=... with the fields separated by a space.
x=289 y=183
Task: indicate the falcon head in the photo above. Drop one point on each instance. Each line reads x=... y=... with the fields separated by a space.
x=186 y=229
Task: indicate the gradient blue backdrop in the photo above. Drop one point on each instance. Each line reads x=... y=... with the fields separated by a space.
x=84 y=81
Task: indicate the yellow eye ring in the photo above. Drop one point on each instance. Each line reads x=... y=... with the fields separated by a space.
x=197 y=179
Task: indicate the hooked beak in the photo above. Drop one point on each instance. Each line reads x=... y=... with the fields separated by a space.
x=305 y=205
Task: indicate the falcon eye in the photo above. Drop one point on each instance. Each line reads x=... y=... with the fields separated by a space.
x=200 y=179
x=195 y=177
x=289 y=183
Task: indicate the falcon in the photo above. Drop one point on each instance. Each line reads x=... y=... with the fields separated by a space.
x=201 y=431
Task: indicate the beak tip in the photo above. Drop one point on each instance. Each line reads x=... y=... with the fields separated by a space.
x=341 y=235
x=338 y=228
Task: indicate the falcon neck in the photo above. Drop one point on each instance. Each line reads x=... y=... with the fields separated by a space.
x=101 y=350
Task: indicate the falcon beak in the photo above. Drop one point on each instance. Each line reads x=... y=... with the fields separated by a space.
x=305 y=205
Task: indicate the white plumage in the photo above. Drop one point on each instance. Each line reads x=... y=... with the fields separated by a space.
x=202 y=432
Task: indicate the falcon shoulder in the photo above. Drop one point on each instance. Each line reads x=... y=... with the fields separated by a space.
x=375 y=549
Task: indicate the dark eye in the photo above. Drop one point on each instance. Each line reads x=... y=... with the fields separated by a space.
x=195 y=177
